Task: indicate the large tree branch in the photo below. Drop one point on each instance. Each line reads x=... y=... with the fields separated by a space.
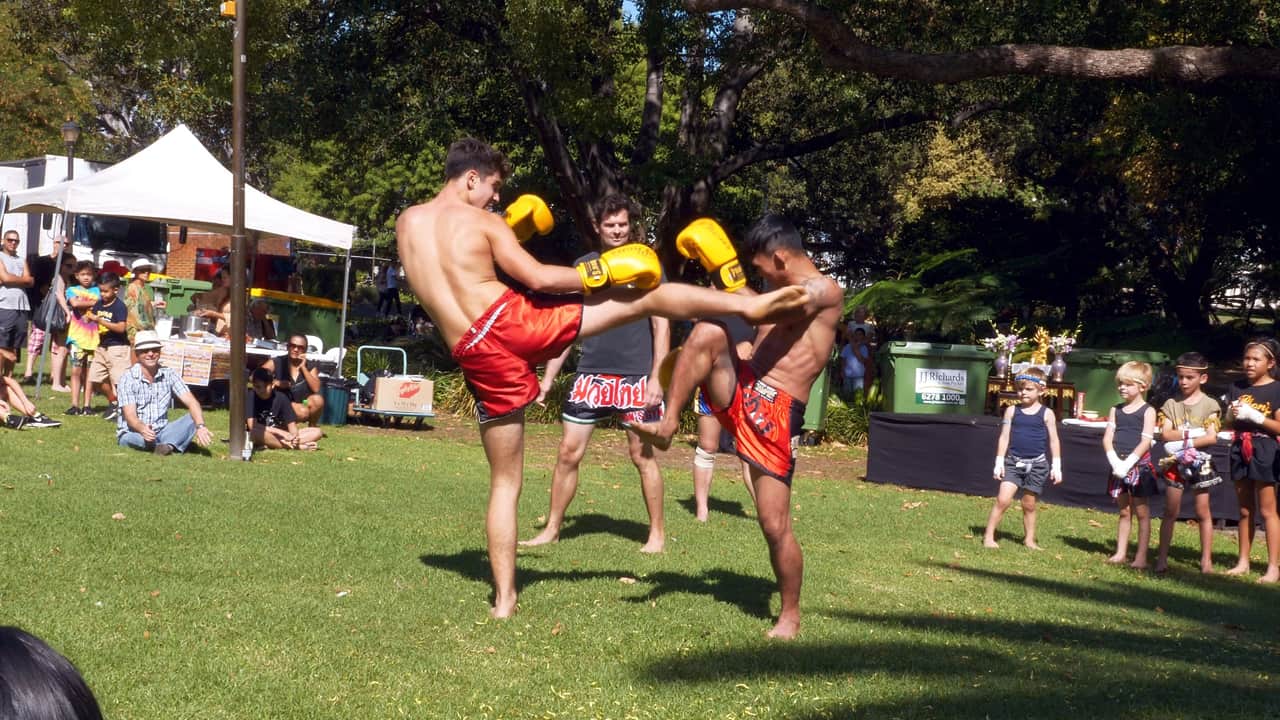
x=573 y=188
x=762 y=152
x=844 y=50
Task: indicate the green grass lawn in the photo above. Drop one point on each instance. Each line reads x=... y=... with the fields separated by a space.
x=353 y=583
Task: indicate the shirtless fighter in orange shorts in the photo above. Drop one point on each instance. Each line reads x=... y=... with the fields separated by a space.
x=451 y=247
x=760 y=399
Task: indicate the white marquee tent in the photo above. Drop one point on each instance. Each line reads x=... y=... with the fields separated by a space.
x=176 y=181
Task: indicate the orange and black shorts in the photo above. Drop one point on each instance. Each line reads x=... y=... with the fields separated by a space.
x=765 y=423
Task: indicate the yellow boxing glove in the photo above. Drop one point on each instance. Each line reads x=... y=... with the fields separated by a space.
x=529 y=215
x=630 y=264
x=705 y=241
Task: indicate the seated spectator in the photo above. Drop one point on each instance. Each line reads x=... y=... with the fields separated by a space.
x=295 y=377
x=37 y=682
x=269 y=416
x=216 y=303
x=18 y=410
x=145 y=392
x=259 y=326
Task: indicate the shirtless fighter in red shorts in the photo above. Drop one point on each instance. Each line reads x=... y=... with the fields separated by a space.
x=451 y=246
x=761 y=399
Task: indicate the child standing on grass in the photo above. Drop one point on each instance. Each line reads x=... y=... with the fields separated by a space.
x=1130 y=429
x=1188 y=427
x=1254 y=414
x=1028 y=435
x=82 y=335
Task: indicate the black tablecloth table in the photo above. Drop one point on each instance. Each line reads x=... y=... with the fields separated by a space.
x=956 y=453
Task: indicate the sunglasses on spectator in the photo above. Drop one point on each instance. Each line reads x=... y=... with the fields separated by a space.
x=295 y=346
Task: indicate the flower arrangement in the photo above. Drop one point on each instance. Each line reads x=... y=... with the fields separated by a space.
x=1003 y=343
x=1066 y=342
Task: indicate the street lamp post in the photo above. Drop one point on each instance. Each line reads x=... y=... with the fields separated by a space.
x=70 y=136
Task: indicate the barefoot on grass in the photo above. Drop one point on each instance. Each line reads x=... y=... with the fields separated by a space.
x=1138 y=565
x=1032 y=546
x=1239 y=569
x=784 y=630
x=989 y=543
x=546 y=537
x=1206 y=569
x=503 y=610
x=1272 y=576
x=1116 y=560
x=653 y=546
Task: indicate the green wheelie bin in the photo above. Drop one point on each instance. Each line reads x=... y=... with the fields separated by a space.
x=934 y=378
x=1093 y=372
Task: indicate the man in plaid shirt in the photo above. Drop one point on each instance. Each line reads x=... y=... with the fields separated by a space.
x=145 y=392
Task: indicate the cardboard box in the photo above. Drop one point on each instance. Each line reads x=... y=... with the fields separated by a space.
x=403 y=394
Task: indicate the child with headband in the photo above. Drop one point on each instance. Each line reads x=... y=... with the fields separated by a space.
x=1188 y=427
x=1254 y=414
x=1028 y=435
x=1130 y=428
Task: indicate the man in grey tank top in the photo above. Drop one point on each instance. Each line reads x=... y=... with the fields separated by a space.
x=617 y=375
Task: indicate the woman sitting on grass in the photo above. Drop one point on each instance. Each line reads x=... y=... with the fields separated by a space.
x=271 y=420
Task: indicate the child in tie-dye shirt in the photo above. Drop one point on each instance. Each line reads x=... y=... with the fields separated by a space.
x=82 y=335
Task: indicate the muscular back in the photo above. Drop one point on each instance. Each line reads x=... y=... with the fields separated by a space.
x=445 y=247
x=790 y=354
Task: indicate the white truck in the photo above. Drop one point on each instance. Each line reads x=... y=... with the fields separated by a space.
x=97 y=238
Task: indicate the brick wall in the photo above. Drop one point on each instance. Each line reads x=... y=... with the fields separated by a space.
x=182 y=256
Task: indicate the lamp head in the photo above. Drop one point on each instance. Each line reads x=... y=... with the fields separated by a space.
x=70 y=132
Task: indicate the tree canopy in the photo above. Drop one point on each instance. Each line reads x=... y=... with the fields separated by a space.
x=1058 y=160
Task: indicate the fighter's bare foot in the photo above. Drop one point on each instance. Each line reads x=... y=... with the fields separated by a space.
x=1116 y=559
x=654 y=546
x=1136 y=565
x=784 y=629
x=1239 y=569
x=989 y=543
x=652 y=433
x=1161 y=568
x=546 y=537
x=502 y=610
x=701 y=515
x=1272 y=575
x=1206 y=568
x=1032 y=545
x=773 y=306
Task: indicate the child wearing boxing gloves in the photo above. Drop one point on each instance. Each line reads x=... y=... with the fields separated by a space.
x=1127 y=440
x=1028 y=439
x=1254 y=415
x=452 y=247
x=1188 y=427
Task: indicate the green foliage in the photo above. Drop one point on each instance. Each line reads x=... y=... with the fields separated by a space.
x=38 y=95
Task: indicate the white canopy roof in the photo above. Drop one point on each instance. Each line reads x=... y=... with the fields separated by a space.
x=176 y=181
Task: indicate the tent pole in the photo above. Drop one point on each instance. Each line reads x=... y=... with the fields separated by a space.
x=236 y=401
x=342 y=331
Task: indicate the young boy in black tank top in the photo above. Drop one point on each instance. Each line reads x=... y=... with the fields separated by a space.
x=1130 y=429
x=1028 y=436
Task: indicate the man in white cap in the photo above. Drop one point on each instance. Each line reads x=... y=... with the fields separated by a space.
x=145 y=393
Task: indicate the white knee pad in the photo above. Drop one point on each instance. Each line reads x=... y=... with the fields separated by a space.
x=703 y=459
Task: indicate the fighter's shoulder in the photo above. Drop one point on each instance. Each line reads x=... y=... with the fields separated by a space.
x=826 y=293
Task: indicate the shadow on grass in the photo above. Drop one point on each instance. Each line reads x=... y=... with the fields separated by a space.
x=716 y=506
x=933 y=665
x=1178 y=556
x=597 y=524
x=749 y=594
